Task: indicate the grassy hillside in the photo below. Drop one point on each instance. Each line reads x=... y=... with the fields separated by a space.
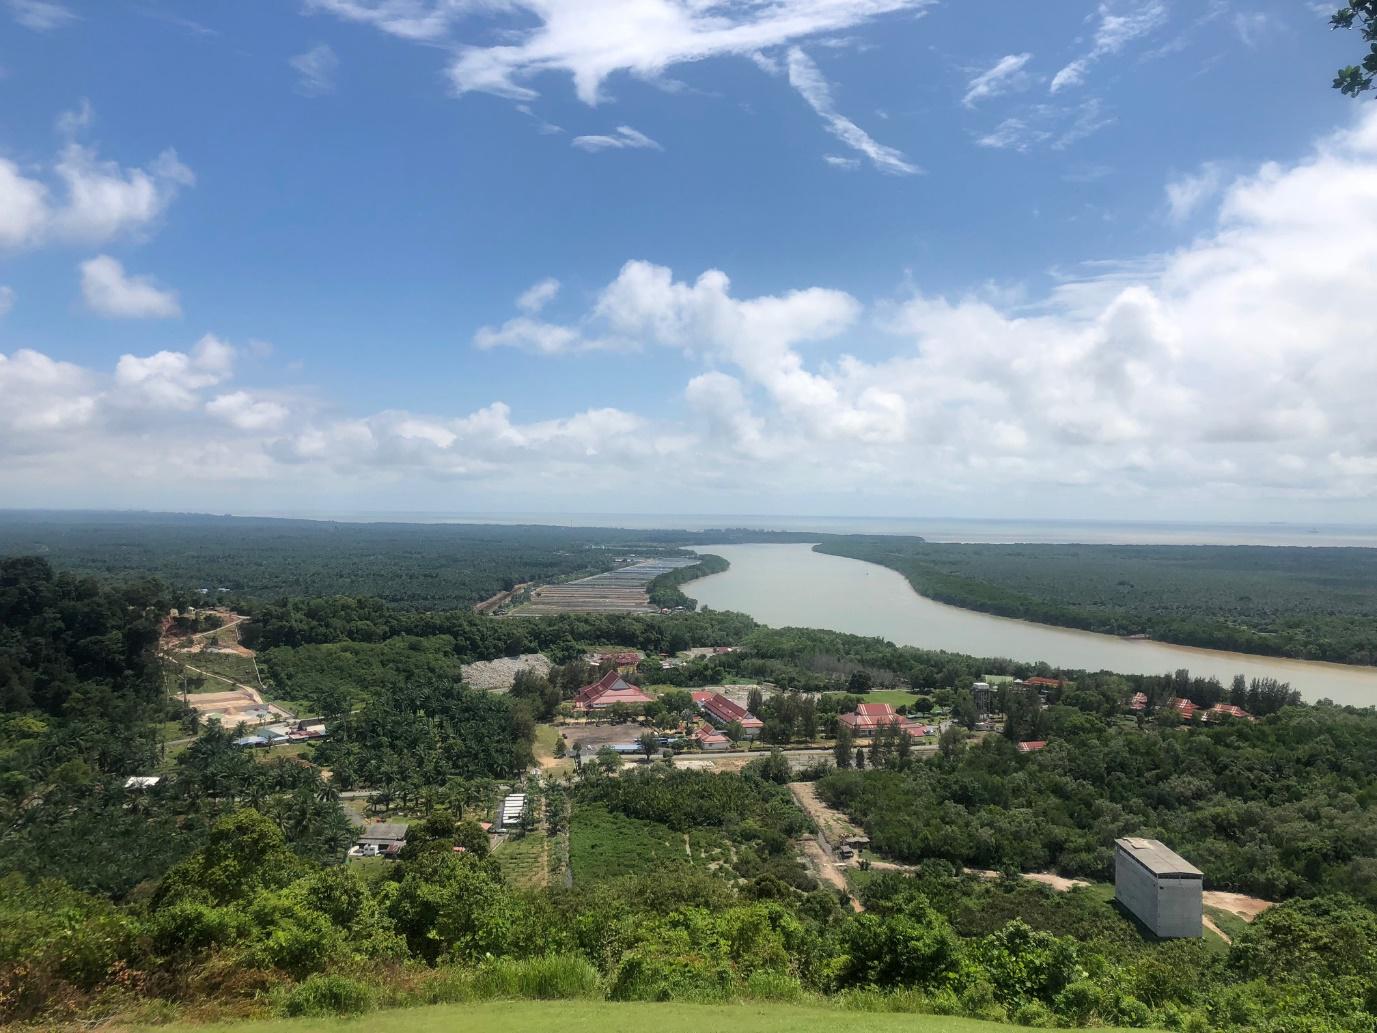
x=603 y=1017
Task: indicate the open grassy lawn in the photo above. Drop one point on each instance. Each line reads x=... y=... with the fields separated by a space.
x=894 y=697
x=603 y=845
x=607 y=1017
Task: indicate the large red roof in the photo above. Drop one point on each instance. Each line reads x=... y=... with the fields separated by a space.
x=609 y=689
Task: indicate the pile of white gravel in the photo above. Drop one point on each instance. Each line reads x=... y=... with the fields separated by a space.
x=498 y=675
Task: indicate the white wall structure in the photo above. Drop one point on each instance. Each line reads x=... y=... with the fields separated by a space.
x=1159 y=886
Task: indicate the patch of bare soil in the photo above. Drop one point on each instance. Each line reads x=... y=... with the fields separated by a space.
x=834 y=825
x=1240 y=904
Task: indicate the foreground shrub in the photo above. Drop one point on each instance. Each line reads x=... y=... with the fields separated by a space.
x=328 y=995
x=552 y=978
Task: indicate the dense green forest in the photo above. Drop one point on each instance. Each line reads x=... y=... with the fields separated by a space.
x=1309 y=603
x=417 y=566
x=220 y=891
x=1282 y=807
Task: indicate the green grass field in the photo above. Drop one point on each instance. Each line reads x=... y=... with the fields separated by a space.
x=605 y=1017
x=523 y=860
x=227 y=665
x=603 y=845
x=894 y=697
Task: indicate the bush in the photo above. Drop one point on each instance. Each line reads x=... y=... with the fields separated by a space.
x=773 y=986
x=328 y=995
x=552 y=978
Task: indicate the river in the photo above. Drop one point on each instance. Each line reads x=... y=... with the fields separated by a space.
x=791 y=585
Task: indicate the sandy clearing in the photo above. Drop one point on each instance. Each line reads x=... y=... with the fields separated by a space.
x=834 y=825
x=1240 y=904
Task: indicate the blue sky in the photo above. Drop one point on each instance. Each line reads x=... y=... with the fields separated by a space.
x=819 y=256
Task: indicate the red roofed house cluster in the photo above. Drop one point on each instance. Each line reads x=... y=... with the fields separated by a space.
x=722 y=711
x=871 y=717
x=1032 y=746
x=611 y=688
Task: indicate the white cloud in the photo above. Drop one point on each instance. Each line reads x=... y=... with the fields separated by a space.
x=1005 y=75
x=530 y=335
x=625 y=137
x=95 y=200
x=40 y=15
x=838 y=161
x=173 y=380
x=805 y=77
x=6 y=300
x=70 y=123
x=23 y=207
x=1187 y=193
x=538 y=295
x=315 y=70
x=241 y=410
x=591 y=40
x=108 y=291
x=1056 y=125
x=1013 y=134
x=1231 y=375
x=1118 y=24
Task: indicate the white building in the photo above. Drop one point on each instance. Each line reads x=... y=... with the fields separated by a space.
x=513 y=809
x=1159 y=886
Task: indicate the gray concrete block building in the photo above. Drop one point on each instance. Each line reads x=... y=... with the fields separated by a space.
x=1159 y=886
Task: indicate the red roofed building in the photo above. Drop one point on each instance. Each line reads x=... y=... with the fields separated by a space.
x=701 y=696
x=1032 y=746
x=871 y=717
x=1228 y=710
x=722 y=711
x=709 y=738
x=1139 y=701
x=1184 y=707
x=609 y=689
x=1039 y=682
x=623 y=661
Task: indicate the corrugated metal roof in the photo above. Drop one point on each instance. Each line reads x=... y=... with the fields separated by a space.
x=1156 y=857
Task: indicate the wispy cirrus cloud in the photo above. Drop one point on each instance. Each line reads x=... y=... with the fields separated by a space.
x=40 y=15
x=591 y=40
x=625 y=138
x=805 y=77
x=1117 y=25
x=315 y=70
x=1004 y=76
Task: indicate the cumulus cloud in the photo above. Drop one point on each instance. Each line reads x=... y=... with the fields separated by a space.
x=805 y=77
x=1117 y=25
x=40 y=15
x=245 y=412
x=172 y=380
x=591 y=40
x=109 y=291
x=315 y=70
x=1234 y=372
x=84 y=199
x=625 y=137
x=1005 y=75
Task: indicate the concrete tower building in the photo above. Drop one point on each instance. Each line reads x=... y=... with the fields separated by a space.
x=1159 y=886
